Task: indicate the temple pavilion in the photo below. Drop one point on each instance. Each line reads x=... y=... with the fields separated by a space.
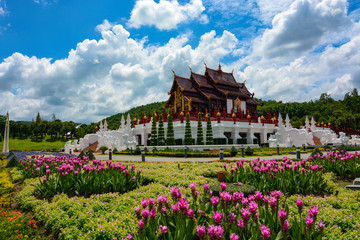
x=214 y=91
x=231 y=106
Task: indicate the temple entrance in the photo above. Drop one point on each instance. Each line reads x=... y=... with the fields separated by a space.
x=228 y=138
x=257 y=135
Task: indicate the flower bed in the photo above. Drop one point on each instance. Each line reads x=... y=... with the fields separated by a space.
x=343 y=164
x=230 y=216
x=78 y=176
x=288 y=176
x=111 y=216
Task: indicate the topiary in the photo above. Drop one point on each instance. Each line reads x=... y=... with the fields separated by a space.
x=209 y=133
x=81 y=155
x=188 y=136
x=249 y=151
x=103 y=149
x=233 y=151
x=137 y=151
x=13 y=161
x=91 y=155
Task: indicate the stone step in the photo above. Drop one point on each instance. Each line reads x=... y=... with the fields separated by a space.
x=317 y=141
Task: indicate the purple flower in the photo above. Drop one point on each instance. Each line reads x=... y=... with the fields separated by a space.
x=215 y=232
x=47 y=171
x=265 y=232
x=193 y=186
x=215 y=201
x=141 y=224
x=226 y=197
x=232 y=218
x=129 y=237
x=309 y=221
x=245 y=213
x=286 y=226
x=183 y=204
x=321 y=225
x=272 y=202
x=233 y=236
x=191 y=213
x=282 y=215
x=276 y=194
x=175 y=207
x=206 y=187
x=217 y=217
x=153 y=213
x=253 y=207
x=244 y=201
x=137 y=211
x=258 y=195
x=151 y=202
x=200 y=231
x=176 y=193
x=162 y=199
x=313 y=211
x=38 y=169
x=223 y=186
x=145 y=213
x=240 y=224
x=163 y=229
x=133 y=178
x=299 y=204
x=44 y=179
x=144 y=203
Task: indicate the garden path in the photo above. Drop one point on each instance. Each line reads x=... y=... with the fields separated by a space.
x=137 y=158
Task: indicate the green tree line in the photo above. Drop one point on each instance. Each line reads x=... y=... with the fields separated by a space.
x=343 y=113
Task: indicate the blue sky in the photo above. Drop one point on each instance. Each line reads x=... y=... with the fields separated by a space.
x=85 y=60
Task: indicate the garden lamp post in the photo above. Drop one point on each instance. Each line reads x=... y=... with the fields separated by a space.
x=221 y=153
x=143 y=155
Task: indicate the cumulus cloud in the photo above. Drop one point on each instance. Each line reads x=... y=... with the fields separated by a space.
x=301 y=28
x=100 y=78
x=166 y=15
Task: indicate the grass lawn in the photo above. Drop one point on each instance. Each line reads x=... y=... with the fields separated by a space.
x=32 y=144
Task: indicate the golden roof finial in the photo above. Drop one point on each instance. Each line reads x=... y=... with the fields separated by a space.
x=244 y=81
x=219 y=66
x=205 y=64
x=173 y=72
x=190 y=68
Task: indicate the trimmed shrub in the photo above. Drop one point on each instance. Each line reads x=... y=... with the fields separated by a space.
x=161 y=136
x=13 y=161
x=249 y=151
x=103 y=149
x=188 y=135
x=170 y=140
x=209 y=132
x=233 y=151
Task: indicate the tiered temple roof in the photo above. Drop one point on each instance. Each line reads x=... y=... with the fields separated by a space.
x=215 y=89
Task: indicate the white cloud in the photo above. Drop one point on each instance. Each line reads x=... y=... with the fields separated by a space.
x=301 y=28
x=165 y=15
x=100 y=78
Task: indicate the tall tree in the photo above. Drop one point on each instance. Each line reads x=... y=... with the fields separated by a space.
x=200 y=133
x=209 y=132
x=170 y=139
x=161 y=137
x=188 y=135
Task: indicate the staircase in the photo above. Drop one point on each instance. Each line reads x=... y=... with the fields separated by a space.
x=93 y=147
x=317 y=141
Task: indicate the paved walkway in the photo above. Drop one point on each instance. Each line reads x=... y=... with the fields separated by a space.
x=137 y=158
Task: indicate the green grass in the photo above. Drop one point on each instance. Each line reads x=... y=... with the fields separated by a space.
x=36 y=145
